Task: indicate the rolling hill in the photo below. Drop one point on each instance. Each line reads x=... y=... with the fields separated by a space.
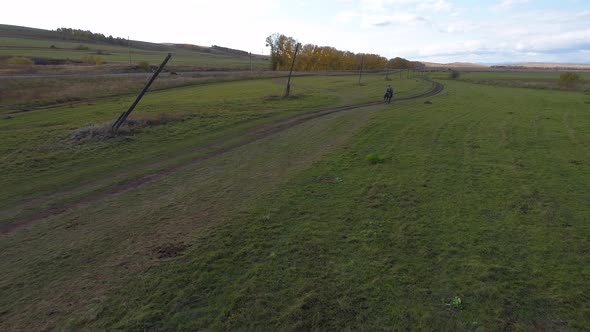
x=68 y=46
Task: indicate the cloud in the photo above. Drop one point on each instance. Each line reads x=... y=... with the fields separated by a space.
x=396 y=18
x=436 y=5
x=346 y=16
x=508 y=4
x=420 y=5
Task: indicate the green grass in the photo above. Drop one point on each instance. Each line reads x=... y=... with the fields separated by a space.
x=39 y=158
x=481 y=195
x=31 y=93
x=115 y=54
x=535 y=80
x=519 y=75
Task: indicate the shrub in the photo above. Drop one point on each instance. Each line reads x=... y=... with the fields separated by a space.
x=81 y=48
x=456 y=303
x=568 y=79
x=144 y=65
x=19 y=60
x=92 y=60
x=374 y=158
x=455 y=74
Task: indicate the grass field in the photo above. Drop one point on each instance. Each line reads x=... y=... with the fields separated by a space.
x=27 y=93
x=478 y=193
x=39 y=156
x=535 y=80
x=43 y=44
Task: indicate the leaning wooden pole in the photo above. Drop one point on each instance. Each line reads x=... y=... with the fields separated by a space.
x=361 y=70
x=291 y=72
x=124 y=115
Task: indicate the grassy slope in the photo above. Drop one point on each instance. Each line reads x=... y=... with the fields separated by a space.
x=483 y=195
x=66 y=264
x=30 y=93
x=39 y=158
x=538 y=80
x=519 y=75
x=37 y=43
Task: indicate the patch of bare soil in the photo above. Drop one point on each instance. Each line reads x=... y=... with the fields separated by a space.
x=170 y=250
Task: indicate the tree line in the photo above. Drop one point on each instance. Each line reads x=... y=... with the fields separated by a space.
x=319 y=58
x=85 y=35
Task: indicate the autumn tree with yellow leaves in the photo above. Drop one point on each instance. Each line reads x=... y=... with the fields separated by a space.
x=321 y=58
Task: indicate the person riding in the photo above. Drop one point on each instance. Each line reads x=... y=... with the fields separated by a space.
x=388 y=93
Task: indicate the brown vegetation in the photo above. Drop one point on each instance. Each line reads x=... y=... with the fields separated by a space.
x=102 y=131
x=568 y=79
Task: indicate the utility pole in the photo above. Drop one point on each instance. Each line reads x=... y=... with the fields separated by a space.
x=124 y=115
x=291 y=72
x=129 y=49
x=361 y=70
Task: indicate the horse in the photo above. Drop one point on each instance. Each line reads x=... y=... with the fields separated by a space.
x=387 y=97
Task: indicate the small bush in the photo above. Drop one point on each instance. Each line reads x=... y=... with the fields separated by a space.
x=19 y=60
x=456 y=303
x=92 y=60
x=568 y=79
x=144 y=65
x=455 y=74
x=81 y=48
x=374 y=158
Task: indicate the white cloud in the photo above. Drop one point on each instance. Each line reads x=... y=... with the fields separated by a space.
x=508 y=4
x=346 y=16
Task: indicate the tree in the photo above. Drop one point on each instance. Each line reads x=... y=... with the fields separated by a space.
x=313 y=58
x=568 y=79
x=282 y=49
x=399 y=63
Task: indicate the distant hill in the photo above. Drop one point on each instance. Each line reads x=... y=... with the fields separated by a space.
x=511 y=66
x=454 y=65
x=542 y=65
x=74 y=46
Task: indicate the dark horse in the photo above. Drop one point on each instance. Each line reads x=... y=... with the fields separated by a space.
x=387 y=97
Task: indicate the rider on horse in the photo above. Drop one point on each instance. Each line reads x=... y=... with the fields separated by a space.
x=388 y=94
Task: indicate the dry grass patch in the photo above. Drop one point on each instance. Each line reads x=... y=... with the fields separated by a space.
x=103 y=131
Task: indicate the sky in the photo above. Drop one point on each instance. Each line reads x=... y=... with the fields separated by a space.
x=491 y=32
